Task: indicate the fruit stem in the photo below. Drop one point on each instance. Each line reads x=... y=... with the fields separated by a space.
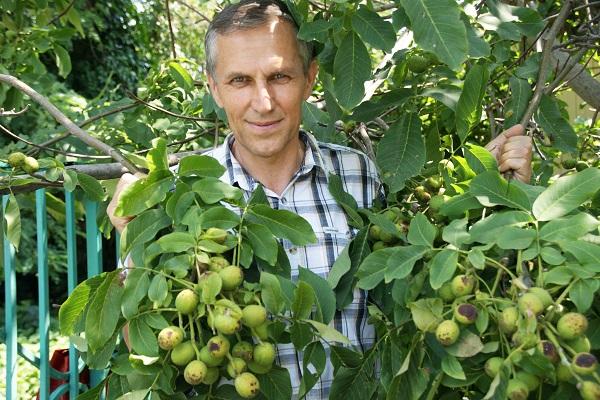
x=496 y=282
x=200 y=338
x=563 y=358
x=435 y=385
x=193 y=337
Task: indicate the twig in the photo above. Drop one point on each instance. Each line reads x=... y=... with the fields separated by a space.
x=592 y=4
x=67 y=123
x=364 y=136
x=13 y=113
x=566 y=68
x=204 y=17
x=544 y=64
x=19 y=138
x=62 y=13
x=158 y=108
x=171 y=30
x=81 y=124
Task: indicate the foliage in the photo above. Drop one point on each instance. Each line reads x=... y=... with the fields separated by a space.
x=419 y=85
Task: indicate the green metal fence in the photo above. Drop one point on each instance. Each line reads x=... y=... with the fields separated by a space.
x=93 y=267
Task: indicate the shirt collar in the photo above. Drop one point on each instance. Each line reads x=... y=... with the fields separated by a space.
x=238 y=176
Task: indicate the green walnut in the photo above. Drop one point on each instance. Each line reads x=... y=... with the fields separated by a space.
x=445 y=292
x=232 y=277
x=210 y=360
x=246 y=385
x=572 y=325
x=417 y=64
x=170 y=337
x=530 y=303
x=584 y=363
x=16 y=159
x=462 y=285
x=218 y=346
x=447 y=332
x=580 y=345
x=30 y=165
x=543 y=295
x=183 y=353
x=225 y=324
x=243 y=350
x=517 y=390
x=548 y=349
x=195 y=372
x=492 y=366
x=236 y=366
x=589 y=390
x=264 y=353
x=254 y=315
x=465 y=313
x=532 y=381
x=217 y=263
x=508 y=320
x=186 y=301
x=212 y=376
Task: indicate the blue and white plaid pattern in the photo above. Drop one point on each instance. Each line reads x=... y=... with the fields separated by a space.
x=308 y=196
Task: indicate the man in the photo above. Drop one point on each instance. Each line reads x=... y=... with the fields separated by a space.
x=260 y=74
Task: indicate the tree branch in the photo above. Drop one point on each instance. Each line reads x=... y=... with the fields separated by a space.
x=172 y=114
x=545 y=63
x=67 y=123
x=193 y=9
x=580 y=80
x=13 y=113
x=171 y=30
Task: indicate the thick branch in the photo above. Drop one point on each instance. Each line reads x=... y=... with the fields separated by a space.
x=580 y=80
x=98 y=171
x=67 y=123
x=545 y=63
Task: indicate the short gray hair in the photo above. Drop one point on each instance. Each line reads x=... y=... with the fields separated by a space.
x=246 y=15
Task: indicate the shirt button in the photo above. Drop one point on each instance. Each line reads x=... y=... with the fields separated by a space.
x=293 y=250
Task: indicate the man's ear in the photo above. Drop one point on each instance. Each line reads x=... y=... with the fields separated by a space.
x=214 y=90
x=311 y=76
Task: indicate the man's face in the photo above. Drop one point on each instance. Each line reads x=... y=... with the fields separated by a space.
x=260 y=82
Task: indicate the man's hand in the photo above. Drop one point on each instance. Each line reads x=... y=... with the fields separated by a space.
x=120 y=222
x=512 y=150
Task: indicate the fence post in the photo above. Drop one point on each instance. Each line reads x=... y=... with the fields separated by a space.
x=94 y=260
x=43 y=289
x=72 y=283
x=10 y=312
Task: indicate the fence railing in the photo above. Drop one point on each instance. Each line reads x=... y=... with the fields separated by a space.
x=93 y=266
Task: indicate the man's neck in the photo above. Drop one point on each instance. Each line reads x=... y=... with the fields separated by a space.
x=274 y=173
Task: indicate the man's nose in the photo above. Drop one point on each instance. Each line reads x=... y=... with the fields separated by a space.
x=263 y=98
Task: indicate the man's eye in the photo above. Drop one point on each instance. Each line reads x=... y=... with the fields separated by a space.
x=238 y=79
x=279 y=77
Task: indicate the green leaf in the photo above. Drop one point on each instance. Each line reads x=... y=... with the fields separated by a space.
x=91 y=187
x=566 y=194
x=515 y=238
x=136 y=288
x=70 y=180
x=582 y=294
x=487 y=230
x=491 y=189
x=181 y=76
x=476 y=258
x=212 y=190
x=211 y=288
x=315 y=30
x=104 y=311
x=558 y=276
x=219 y=217
x=328 y=333
x=12 y=216
x=457 y=206
x=262 y=241
x=478 y=47
x=353 y=383
x=284 y=224
x=402 y=261
x=325 y=298
x=555 y=126
x=568 y=228
x=442 y=268
x=314 y=354
x=468 y=345
x=344 y=200
x=497 y=389
x=157 y=156
x=145 y=193
x=271 y=292
x=468 y=109
x=200 y=165
x=140 y=394
x=95 y=393
x=584 y=252
x=63 y=60
x=159 y=289
x=341 y=265
x=451 y=367
x=373 y=29
x=427 y=313
x=421 y=231
x=142 y=338
x=480 y=159
x=372 y=269
x=437 y=28
x=176 y=242
x=351 y=68
x=142 y=229
x=520 y=93
x=276 y=384
x=73 y=309
x=456 y=232
x=401 y=152
x=304 y=298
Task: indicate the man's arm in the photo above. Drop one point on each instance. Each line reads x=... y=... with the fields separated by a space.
x=512 y=150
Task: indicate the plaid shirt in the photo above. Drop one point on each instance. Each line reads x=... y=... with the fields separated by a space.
x=307 y=195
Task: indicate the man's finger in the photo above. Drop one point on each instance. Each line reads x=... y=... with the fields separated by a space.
x=516 y=130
